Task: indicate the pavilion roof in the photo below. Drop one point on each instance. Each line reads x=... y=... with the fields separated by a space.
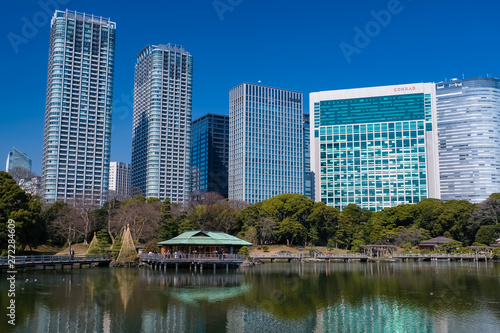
x=199 y=237
x=436 y=241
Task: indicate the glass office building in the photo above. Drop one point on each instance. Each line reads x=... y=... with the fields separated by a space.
x=77 y=132
x=468 y=120
x=209 y=155
x=18 y=159
x=265 y=142
x=375 y=147
x=162 y=122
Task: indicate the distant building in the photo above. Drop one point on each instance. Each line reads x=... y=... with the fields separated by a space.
x=265 y=142
x=32 y=185
x=375 y=147
x=468 y=123
x=77 y=132
x=162 y=122
x=210 y=155
x=431 y=244
x=308 y=174
x=120 y=180
x=17 y=159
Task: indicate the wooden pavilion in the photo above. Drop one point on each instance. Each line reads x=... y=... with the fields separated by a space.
x=431 y=244
x=202 y=242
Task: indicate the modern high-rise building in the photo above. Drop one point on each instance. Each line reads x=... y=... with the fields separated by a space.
x=209 y=155
x=265 y=142
x=162 y=122
x=375 y=147
x=120 y=180
x=468 y=122
x=308 y=174
x=77 y=132
x=17 y=159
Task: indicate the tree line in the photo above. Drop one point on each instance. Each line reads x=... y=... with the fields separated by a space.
x=291 y=219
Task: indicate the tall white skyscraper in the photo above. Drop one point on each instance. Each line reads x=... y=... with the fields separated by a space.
x=120 y=180
x=468 y=121
x=265 y=142
x=77 y=132
x=162 y=122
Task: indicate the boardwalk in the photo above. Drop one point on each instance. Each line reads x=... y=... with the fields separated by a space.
x=441 y=256
x=300 y=256
x=51 y=261
x=158 y=261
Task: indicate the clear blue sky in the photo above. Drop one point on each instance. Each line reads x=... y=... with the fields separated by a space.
x=288 y=44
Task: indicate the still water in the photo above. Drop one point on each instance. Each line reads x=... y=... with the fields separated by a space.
x=274 y=297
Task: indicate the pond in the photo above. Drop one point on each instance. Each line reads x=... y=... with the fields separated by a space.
x=274 y=297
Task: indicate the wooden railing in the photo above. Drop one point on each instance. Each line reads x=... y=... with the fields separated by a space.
x=45 y=259
x=189 y=257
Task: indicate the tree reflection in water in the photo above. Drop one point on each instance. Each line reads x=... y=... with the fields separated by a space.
x=280 y=297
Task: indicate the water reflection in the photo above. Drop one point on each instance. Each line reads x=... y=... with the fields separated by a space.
x=279 y=297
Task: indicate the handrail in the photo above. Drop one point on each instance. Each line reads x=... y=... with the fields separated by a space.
x=45 y=259
x=189 y=256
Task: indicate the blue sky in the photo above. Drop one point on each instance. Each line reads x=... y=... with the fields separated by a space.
x=297 y=45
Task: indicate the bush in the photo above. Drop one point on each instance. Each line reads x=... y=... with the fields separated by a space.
x=244 y=250
x=496 y=253
x=406 y=247
x=265 y=248
x=151 y=246
x=330 y=245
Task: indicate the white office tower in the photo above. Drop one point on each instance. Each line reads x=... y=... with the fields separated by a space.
x=77 y=132
x=162 y=122
x=468 y=120
x=120 y=180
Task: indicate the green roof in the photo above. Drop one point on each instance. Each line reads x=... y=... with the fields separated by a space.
x=198 y=237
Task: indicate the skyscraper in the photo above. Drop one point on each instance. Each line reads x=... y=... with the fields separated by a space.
x=265 y=142
x=468 y=121
x=77 y=132
x=120 y=180
x=375 y=147
x=17 y=159
x=162 y=122
x=209 y=155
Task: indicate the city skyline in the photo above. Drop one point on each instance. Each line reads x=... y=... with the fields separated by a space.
x=393 y=52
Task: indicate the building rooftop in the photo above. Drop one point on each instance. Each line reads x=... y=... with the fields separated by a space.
x=199 y=237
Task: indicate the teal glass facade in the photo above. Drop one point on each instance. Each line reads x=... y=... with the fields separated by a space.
x=372 y=151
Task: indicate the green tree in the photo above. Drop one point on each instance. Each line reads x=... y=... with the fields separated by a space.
x=488 y=234
x=24 y=209
x=290 y=230
x=169 y=226
x=293 y=206
x=325 y=219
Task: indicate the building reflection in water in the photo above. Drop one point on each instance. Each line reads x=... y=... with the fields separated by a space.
x=321 y=298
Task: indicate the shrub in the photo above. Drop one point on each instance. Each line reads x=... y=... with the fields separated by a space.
x=265 y=248
x=496 y=253
x=330 y=245
x=406 y=247
x=244 y=250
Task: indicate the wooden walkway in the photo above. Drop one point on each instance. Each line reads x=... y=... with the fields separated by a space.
x=158 y=261
x=441 y=256
x=52 y=261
